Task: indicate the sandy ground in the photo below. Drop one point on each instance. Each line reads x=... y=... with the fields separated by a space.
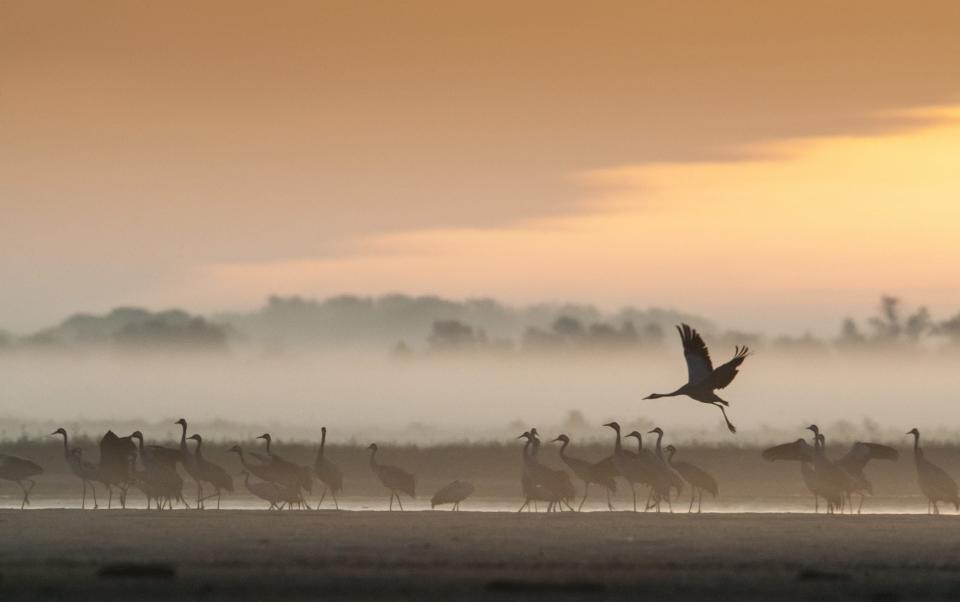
x=69 y=554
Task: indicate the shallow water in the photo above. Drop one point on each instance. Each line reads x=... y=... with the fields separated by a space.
x=726 y=505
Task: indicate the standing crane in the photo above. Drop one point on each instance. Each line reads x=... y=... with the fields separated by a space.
x=393 y=478
x=327 y=472
x=702 y=378
x=532 y=491
x=626 y=463
x=207 y=471
x=453 y=493
x=118 y=456
x=934 y=482
x=87 y=472
x=588 y=472
x=20 y=471
x=699 y=479
x=190 y=464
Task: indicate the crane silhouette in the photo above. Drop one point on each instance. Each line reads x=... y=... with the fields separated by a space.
x=588 y=472
x=327 y=472
x=802 y=452
x=118 y=455
x=652 y=470
x=699 y=479
x=87 y=472
x=533 y=492
x=265 y=490
x=672 y=476
x=934 y=482
x=555 y=484
x=452 y=493
x=855 y=461
x=286 y=472
x=626 y=462
x=393 y=478
x=702 y=378
x=20 y=471
x=159 y=479
x=189 y=462
x=207 y=471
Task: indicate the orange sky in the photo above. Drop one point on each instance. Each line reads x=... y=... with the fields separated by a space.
x=748 y=161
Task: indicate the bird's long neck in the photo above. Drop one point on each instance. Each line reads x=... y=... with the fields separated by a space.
x=659 y=395
x=916 y=444
x=563 y=449
x=267 y=439
x=639 y=444
x=196 y=452
x=670 y=455
x=535 y=447
x=373 y=458
x=617 y=445
x=525 y=450
x=659 y=439
x=66 y=448
x=323 y=441
x=183 y=437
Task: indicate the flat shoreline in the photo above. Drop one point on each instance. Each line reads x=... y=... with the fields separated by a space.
x=245 y=554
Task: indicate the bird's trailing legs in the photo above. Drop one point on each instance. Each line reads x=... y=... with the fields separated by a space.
x=720 y=405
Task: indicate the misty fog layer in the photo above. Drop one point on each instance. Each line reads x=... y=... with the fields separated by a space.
x=372 y=395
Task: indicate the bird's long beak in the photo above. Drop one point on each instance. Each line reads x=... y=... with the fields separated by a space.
x=555 y=440
x=652 y=432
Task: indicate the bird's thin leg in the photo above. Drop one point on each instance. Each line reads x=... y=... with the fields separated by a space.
x=586 y=490
x=609 y=501
x=336 y=504
x=693 y=494
x=109 y=495
x=399 y=502
x=730 y=426
x=633 y=490
x=525 y=503
x=816 y=504
x=83 y=499
x=94 y=489
x=391 y=501
x=24 y=501
x=322 y=496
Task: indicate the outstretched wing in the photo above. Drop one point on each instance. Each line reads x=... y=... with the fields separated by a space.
x=725 y=374
x=861 y=453
x=798 y=450
x=695 y=352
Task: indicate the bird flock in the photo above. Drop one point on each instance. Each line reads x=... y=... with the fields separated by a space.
x=127 y=462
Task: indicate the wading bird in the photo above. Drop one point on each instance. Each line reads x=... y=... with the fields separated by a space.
x=801 y=451
x=588 y=472
x=393 y=478
x=20 y=471
x=286 y=472
x=454 y=493
x=699 y=479
x=855 y=461
x=190 y=465
x=159 y=479
x=118 y=456
x=625 y=462
x=209 y=472
x=555 y=484
x=652 y=470
x=533 y=492
x=87 y=472
x=327 y=472
x=702 y=378
x=265 y=490
x=674 y=478
x=934 y=482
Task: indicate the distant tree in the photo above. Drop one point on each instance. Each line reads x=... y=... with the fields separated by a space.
x=850 y=334
x=451 y=335
x=950 y=329
x=568 y=327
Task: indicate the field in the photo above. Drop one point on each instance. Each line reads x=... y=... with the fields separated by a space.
x=60 y=554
